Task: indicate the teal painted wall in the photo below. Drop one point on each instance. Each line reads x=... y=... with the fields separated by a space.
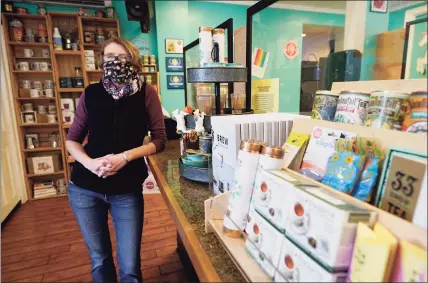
x=418 y=51
x=272 y=28
x=213 y=14
x=132 y=29
x=171 y=22
x=375 y=23
x=396 y=18
x=181 y=19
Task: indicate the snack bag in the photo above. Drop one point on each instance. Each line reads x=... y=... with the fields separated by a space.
x=370 y=173
x=344 y=166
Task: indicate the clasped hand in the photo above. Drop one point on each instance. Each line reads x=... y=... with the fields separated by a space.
x=107 y=165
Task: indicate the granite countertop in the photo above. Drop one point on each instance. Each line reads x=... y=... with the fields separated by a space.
x=191 y=196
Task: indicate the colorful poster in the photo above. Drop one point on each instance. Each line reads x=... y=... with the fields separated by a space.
x=260 y=61
x=175 y=81
x=174 y=64
x=265 y=95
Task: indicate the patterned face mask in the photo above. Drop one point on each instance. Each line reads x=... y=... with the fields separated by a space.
x=118 y=71
x=119 y=78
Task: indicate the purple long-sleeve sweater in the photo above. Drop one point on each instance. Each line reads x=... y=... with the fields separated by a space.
x=79 y=128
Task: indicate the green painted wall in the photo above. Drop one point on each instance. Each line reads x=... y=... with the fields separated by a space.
x=213 y=14
x=132 y=29
x=396 y=18
x=272 y=28
x=375 y=23
x=171 y=22
x=418 y=51
x=181 y=19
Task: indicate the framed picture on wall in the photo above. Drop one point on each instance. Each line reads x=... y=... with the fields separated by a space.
x=174 y=46
x=379 y=6
x=174 y=64
x=175 y=81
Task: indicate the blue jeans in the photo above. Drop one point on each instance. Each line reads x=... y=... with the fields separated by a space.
x=91 y=212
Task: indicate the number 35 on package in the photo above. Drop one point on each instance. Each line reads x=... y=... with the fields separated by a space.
x=403 y=186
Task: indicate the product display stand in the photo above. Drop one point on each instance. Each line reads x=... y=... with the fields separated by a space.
x=214 y=214
x=217 y=75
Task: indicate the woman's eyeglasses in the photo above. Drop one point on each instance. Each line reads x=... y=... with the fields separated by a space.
x=110 y=57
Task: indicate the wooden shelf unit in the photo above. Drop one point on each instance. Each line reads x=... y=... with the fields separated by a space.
x=15 y=52
x=63 y=63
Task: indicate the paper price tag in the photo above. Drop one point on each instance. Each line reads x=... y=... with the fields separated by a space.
x=403 y=185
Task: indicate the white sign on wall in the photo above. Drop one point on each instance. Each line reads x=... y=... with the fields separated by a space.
x=291 y=49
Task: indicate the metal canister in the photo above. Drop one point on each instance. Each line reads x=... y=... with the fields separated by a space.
x=218 y=37
x=271 y=158
x=205 y=45
x=205 y=143
x=416 y=116
x=110 y=13
x=325 y=104
x=352 y=107
x=386 y=110
x=239 y=201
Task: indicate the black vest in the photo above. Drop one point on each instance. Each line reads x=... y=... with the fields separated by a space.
x=114 y=127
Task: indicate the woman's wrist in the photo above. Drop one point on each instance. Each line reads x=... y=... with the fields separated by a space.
x=125 y=157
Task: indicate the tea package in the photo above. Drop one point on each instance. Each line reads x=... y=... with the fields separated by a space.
x=294 y=149
x=321 y=146
x=410 y=264
x=354 y=168
x=374 y=254
x=344 y=166
x=366 y=183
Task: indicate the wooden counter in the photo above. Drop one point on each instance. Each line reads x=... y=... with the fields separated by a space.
x=185 y=200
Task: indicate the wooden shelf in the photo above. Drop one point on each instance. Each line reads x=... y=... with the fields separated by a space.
x=151 y=73
x=66 y=125
x=39 y=125
x=48 y=197
x=25 y=16
x=62 y=62
x=43 y=149
x=150 y=65
x=94 y=71
x=77 y=89
x=235 y=247
x=71 y=159
x=63 y=14
x=93 y=45
x=35 y=44
x=31 y=72
x=27 y=58
x=96 y=19
x=67 y=52
x=47 y=174
x=36 y=98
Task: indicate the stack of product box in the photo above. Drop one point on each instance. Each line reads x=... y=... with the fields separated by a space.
x=90 y=60
x=44 y=189
x=229 y=131
x=298 y=232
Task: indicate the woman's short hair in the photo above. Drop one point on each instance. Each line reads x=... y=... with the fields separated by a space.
x=129 y=47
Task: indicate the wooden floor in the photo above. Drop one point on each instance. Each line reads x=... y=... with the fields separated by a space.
x=42 y=243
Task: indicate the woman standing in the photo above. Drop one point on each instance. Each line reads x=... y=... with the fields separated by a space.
x=116 y=114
